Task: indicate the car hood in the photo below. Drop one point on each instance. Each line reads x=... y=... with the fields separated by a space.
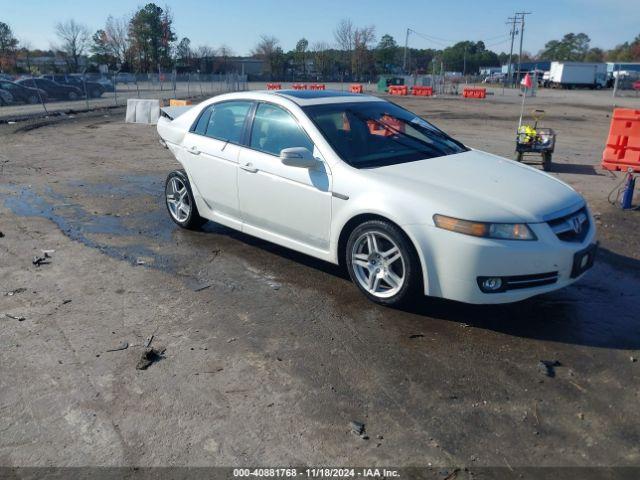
x=480 y=186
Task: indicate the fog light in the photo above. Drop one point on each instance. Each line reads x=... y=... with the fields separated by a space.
x=491 y=284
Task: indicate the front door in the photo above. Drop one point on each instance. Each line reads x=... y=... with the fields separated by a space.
x=286 y=204
x=210 y=156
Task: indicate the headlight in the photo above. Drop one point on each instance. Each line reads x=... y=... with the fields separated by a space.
x=504 y=231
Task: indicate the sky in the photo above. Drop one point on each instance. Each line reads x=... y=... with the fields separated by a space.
x=239 y=23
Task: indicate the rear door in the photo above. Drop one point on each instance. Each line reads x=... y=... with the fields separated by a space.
x=285 y=204
x=210 y=156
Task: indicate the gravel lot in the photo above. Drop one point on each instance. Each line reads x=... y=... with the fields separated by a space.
x=269 y=354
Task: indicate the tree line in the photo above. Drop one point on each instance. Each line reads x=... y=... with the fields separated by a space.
x=146 y=41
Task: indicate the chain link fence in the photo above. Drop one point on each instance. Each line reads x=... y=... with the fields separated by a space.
x=35 y=97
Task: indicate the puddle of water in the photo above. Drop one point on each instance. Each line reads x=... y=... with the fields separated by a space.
x=82 y=226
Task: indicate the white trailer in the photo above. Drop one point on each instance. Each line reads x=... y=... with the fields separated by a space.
x=577 y=75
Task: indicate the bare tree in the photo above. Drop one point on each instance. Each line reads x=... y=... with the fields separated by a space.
x=204 y=51
x=224 y=52
x=362 y=40
x=321 y=58
x=25 y=53
x=117 y=30
x=343 y=35
x=268 y=49
x=74 y=38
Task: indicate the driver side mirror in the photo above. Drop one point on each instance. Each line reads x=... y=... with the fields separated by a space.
x=298 y=157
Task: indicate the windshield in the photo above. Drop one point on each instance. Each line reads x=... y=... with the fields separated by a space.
x=375 y=134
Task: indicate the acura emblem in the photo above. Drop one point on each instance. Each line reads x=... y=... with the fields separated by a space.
x=576 y=224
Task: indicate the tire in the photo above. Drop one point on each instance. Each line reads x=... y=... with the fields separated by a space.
x=33 y=99
x=96 y=93
x=388 y=270
x=73 y=96
x=546 y=161
x=183 y=210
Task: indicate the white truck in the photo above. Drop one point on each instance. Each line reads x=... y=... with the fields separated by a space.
x=577 y=75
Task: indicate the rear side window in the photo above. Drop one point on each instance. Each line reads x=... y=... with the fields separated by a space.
x=274 y=129
x=201 y=125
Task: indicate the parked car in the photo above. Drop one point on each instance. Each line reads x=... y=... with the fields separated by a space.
x=358 y=181
x=54 y=90
x=123 y=77
x=22 y=93
x=5 y=97
x=93 y=89
x=103 y=80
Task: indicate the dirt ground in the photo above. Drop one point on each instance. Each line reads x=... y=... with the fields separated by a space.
x=269 y=354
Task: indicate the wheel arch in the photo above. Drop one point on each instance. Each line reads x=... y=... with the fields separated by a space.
x=360 y=218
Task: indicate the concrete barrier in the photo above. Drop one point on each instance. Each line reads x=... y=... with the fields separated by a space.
x=140 y=110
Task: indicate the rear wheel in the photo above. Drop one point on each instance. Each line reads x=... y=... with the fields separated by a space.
x=73 y=96
x=382 y=263
x=180 y=201
x=33 y=99
x=96 y=93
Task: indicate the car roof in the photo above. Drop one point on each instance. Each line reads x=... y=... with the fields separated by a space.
x=323 y=97
x=301 y=98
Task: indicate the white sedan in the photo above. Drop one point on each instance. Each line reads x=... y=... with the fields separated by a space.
x=359 y=181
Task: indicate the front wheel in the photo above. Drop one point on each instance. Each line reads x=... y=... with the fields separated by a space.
x=382 y=263
x=73 y=96
x=180 y=201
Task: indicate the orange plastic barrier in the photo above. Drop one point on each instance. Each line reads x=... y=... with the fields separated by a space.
x=274 y=86
x=622 y=150
x=317 y=86
x=356 y=88
x=299 y=86
x=398 y=90
x=422 y=91
x=469 y=92
x=179 y=103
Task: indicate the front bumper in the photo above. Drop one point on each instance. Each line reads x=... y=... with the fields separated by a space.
x=453 y=262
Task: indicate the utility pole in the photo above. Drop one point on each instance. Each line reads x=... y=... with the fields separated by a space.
x=512 y=21
x=464 y=63
x=521 y=15
x=406 y=49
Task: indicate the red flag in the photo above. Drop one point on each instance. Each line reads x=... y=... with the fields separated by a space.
x=526 y=81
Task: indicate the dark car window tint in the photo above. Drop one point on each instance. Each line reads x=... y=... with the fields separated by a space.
x=374 y=134
x=274 y=129
x=201 y=126
x=227 y=120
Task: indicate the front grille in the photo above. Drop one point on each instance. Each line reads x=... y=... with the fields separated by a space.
x=517 y=282
x=573 y=227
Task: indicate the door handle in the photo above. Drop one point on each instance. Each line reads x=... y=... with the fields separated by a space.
x=249 y=168
x=194 y=150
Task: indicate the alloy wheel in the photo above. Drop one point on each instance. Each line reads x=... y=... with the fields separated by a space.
x=178 y=200
x=378 y=264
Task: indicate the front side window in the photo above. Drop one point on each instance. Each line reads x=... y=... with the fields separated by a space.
x=274 y=129
x=375 y=134
x=223 y=121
